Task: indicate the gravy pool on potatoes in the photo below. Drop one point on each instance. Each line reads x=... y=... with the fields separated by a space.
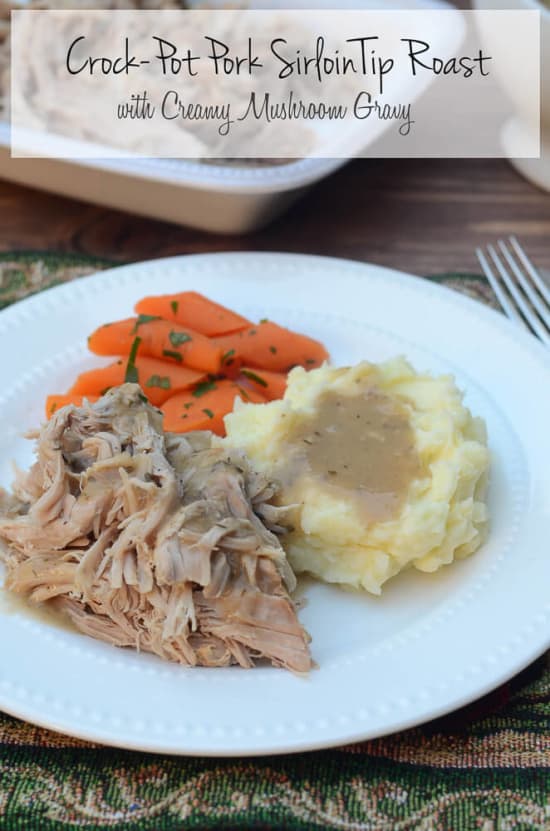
x=363 y=444
x=409 y=469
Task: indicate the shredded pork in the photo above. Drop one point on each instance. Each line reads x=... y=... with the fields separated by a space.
x=158 y=542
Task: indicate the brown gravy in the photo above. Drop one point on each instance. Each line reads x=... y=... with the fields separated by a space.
x=362 y=444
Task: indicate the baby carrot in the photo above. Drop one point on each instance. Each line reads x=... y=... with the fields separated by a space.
x=189 y=308
x=55 y=402
x=205 y=407
x=158 y=379
x=158 y=339
x=272 y=347
x=271 y=385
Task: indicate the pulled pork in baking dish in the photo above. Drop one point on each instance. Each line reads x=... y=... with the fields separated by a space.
x=7 y=6
x=156 y=541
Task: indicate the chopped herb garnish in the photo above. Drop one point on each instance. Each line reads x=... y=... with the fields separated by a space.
x=273 y=350
x=131 y=375
x=174 y=305
x=141 y=319
x=253 y=377
x=264 y=320
x=209 y=413
x=253 y=332
x=243 y=392
x=177 y=338
x=185 y=415
x=203 y=387
x=161 y=381
x=310 y=361
x=143 y=398
x=227 y=355
x=175 y=355
x=188 y=405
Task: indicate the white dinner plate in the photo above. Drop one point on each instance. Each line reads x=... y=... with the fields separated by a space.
x=429 y=644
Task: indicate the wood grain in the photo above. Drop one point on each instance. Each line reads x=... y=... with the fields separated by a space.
x=425 y=216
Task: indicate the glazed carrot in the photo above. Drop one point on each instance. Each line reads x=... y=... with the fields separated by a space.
x=55 y=402
x=158 y=379
x=159 y=339
x=272 y=347
x=189 y=308
x=204 y=407
x=271 y=385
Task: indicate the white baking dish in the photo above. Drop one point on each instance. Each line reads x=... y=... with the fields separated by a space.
x=219 y=198
x=211 y=196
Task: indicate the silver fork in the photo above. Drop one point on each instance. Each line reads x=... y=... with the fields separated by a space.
x=518 y=286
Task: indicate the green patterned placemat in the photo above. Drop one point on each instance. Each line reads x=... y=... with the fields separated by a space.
x=483 y=768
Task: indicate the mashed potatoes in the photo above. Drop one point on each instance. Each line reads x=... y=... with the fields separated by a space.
x=384 y=468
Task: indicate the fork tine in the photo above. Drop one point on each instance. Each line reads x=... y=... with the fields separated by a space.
x=526 y=310
x=531 y=270
x=501 y=296
x=538 y=302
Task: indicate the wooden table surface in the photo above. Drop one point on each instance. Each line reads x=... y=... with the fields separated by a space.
x=424 y=216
